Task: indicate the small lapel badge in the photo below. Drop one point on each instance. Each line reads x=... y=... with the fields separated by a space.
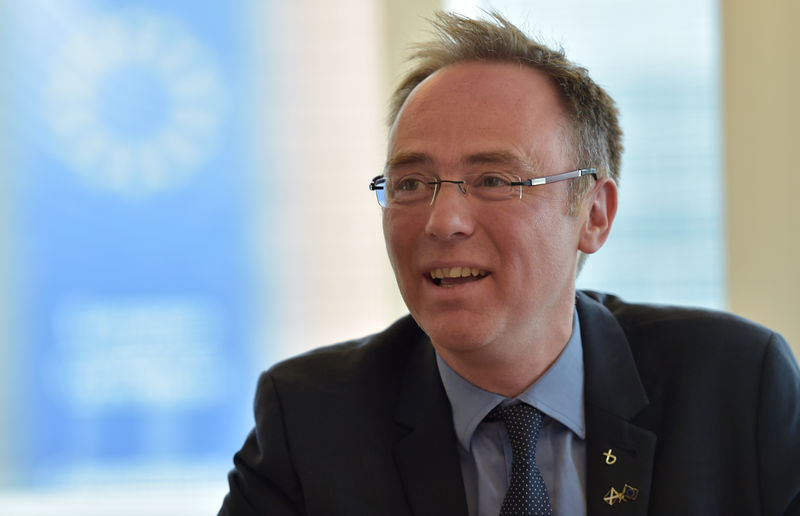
x=610 y=457
x=628 y=493
x=613 y=496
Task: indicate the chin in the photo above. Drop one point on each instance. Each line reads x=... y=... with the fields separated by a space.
x=457 y=346
x=456 y=334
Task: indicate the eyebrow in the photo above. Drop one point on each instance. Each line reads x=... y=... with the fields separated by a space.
x=499 y=158
x=407 y=158
x=479 y=158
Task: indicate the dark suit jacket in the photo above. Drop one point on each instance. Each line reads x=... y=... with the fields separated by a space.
x=700 y=409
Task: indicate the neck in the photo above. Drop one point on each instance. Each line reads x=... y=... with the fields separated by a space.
x=509 y=367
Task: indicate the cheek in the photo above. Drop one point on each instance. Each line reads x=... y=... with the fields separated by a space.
x=389 y=236
x=537 y=247
x=398 y=234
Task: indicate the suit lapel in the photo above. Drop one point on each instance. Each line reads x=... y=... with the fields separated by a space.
x=619 y=454
x=426 y=453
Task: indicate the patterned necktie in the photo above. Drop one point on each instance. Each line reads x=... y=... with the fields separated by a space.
x=527 y=494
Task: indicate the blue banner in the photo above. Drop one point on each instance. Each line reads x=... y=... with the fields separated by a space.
x=130 y=171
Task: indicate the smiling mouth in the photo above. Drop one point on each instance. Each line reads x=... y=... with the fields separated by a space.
x=452 y=276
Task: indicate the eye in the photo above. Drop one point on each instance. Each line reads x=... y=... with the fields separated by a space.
x=493 y=180
x=409 y=184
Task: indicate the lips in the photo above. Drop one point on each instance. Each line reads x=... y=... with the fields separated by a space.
x=452 y=276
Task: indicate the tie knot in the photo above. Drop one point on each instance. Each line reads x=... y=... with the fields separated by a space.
x=517 y=415
x=523 y=423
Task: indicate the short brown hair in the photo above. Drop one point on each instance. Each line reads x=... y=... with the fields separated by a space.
x=593 y=128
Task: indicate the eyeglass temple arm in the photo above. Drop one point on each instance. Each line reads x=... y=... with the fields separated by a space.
x=535 y=181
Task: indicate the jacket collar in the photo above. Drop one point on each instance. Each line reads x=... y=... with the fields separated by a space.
x=619 y=454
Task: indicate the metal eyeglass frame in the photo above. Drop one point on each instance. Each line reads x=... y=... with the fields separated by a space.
x=377 y=182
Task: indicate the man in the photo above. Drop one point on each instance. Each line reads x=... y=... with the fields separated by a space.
x=506 y=391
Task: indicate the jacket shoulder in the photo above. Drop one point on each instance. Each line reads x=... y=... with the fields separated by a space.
x=720 y=387
x=681 y=324
x=375 y=360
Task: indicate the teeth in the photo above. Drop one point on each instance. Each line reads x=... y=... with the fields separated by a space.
x=457 y=272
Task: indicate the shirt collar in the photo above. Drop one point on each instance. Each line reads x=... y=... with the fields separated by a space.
x=558 y=393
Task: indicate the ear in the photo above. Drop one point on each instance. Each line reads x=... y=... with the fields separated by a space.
x=602 y=206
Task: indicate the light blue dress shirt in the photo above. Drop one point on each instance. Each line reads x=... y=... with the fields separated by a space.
x=485 y=450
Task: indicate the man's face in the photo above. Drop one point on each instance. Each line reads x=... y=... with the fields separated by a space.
x=471 y=118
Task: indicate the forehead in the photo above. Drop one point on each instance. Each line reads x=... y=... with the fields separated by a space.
x=478 y=108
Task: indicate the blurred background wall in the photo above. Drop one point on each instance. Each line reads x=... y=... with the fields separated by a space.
x=762 y=109
x=183 y=202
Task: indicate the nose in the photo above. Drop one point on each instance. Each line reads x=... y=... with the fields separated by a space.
x=450 y=214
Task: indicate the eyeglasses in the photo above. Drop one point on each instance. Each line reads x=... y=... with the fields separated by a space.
x=414 y=189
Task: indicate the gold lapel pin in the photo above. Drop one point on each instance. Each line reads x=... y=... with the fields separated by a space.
x=610 y=457
x=628 y=493
x=613 y=496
